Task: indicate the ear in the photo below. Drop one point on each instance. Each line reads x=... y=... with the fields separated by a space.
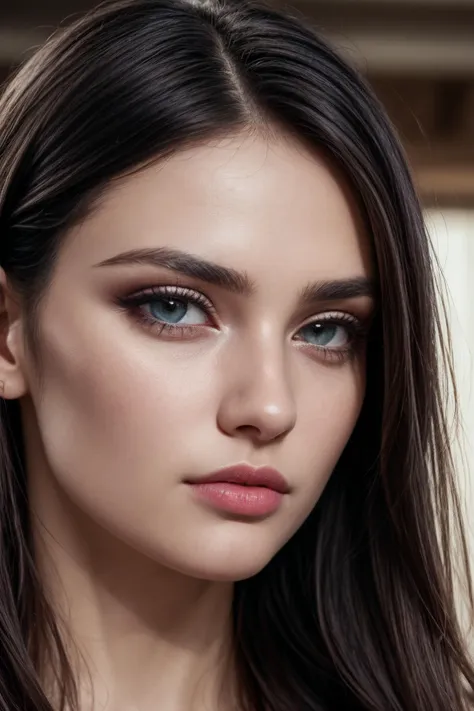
x=13 y=383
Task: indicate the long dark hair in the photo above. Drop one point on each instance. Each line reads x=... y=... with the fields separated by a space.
x=358 y=610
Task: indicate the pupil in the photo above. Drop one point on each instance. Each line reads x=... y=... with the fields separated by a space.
x=170 y=309
x=322 y=334
x=170 y=305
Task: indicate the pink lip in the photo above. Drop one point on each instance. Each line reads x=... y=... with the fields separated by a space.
x=242 y=489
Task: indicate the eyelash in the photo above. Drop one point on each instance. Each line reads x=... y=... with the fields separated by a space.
x=357 y=331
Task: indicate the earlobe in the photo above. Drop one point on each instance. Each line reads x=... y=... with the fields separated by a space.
x=12 y=376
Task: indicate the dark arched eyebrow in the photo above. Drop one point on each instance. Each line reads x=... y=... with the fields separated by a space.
x=236 y=282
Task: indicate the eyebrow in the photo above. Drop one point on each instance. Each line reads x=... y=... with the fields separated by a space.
x=235 y=281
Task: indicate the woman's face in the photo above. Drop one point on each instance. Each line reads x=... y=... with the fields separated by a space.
x=155 y=372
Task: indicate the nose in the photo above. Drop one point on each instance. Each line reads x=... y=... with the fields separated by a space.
x=258 y=399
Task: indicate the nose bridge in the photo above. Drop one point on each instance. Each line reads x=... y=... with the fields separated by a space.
x=258 y=391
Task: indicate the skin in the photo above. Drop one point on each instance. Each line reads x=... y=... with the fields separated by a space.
x=120 y=414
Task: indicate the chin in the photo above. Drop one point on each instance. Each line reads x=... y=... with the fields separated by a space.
x=227 y=573
x=227 y=552
x=228 y=566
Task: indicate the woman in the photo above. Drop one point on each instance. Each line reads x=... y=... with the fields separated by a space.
x=225 y=480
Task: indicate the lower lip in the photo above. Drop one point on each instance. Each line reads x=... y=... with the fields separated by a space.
x=237 y=499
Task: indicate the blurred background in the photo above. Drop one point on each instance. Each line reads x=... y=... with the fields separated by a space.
x=419 y=56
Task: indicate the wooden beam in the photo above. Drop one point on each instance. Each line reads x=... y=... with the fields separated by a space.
x=446 y=185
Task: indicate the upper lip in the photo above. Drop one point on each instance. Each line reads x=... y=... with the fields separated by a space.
x=247 y=475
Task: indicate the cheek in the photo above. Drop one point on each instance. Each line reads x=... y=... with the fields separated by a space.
x=117 y=423
x=327 y=419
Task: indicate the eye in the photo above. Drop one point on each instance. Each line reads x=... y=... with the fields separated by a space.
x=327 y=335
x=335 y=336
x=173 y=311
x=170 y=310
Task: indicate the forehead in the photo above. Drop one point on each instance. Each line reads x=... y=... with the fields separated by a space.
x=243 y=200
